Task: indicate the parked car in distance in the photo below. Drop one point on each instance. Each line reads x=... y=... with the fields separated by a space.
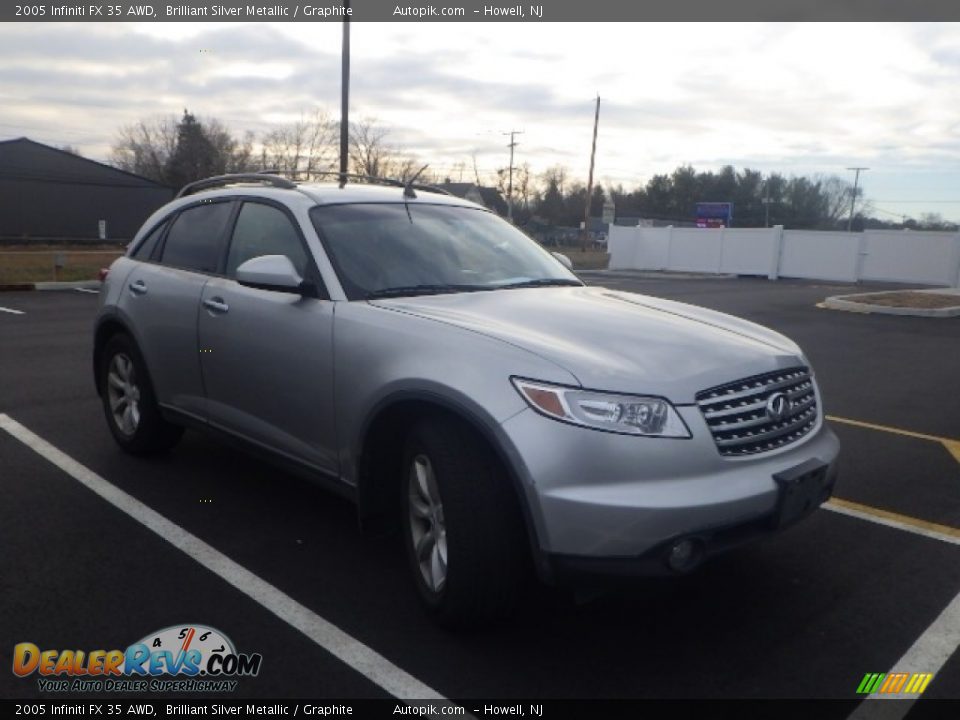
x=421 y=356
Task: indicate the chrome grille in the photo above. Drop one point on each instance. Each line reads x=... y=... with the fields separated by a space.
x=740 y=422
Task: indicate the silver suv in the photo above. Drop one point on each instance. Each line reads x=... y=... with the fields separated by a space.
x=423 y=357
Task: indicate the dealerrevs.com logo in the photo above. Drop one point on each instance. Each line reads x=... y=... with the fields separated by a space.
x=180 y=658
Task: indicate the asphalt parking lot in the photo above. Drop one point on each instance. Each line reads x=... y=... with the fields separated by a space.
x=855 y=589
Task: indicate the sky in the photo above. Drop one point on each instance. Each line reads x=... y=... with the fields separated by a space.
x=799 y=99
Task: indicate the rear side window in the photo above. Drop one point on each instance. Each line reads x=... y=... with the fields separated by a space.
x=145 y=249
x=264 y=230
x=194 y=240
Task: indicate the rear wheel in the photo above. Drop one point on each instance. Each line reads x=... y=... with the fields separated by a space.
x=129 y=404
x=463 y=531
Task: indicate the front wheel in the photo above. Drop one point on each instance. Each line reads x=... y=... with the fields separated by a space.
x=129 y=404
x=463 y=531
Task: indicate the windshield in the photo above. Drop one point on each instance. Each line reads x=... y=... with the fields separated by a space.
x=384 y=250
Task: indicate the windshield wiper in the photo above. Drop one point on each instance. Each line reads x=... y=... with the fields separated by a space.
x=435 y=289
x=542 y=282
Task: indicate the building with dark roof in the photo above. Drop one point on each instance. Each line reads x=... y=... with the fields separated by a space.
x=51 y=194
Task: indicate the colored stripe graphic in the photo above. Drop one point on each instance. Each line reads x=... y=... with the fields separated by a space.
x=918 y=683
x=894 y=683
x=870 y=682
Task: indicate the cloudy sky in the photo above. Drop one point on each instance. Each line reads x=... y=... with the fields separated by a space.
x=798 y=99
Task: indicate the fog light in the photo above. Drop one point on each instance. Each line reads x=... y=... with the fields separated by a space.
x=684 y=555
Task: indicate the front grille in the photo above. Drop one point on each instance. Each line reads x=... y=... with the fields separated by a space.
x=740 y=422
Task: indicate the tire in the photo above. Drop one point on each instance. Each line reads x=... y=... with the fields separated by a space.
x=472 y=565
x=129 y=403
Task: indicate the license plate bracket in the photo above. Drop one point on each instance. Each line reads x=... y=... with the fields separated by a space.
x=802 y=489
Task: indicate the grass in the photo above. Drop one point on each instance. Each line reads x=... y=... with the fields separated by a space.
x=588 y=260
x=37 y=263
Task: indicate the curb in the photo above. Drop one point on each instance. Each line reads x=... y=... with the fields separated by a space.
x=79 y=284
x=846 y=303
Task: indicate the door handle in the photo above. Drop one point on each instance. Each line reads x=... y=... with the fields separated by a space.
x=138 y=288
x=216 y=304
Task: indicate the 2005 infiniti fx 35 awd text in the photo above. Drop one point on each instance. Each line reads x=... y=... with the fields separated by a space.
x=422 y=356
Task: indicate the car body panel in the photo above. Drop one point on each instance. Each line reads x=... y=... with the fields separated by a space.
x=605 y=494
x=611 y=342
x=165 y=315
x=265 y=378
x=381 y=358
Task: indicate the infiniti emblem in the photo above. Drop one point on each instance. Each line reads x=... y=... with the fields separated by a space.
x=778 y=406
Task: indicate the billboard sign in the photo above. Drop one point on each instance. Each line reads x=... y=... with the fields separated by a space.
x=714 y=214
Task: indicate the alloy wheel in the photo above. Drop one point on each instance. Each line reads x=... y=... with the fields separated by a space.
x=124 y=394
x=427 y=525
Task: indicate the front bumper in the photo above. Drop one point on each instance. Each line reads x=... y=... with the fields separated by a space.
x=601 y=499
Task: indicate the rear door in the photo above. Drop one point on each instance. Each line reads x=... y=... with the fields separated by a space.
x=267 y=356
x=161 y=299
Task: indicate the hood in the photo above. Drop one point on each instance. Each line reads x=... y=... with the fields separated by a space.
x=613 y=340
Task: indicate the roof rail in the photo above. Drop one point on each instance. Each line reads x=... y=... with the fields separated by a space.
x=373 y=179
x=220 y=180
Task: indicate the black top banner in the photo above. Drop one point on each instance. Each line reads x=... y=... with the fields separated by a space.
x=485 y=11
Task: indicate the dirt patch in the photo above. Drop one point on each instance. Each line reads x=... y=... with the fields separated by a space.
x=46 y=263
x=589 y=260
x=907 y=299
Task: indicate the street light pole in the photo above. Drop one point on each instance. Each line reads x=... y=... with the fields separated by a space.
x=853 y=197
x=593 y=153
x=345 y=95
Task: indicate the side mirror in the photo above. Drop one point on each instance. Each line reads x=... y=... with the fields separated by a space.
x=567 y=262
x=272 y=272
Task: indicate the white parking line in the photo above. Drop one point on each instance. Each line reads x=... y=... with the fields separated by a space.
x=88 y=290
x=908 y=524
x=344 y=647
x=928 y=654
x=11 y=311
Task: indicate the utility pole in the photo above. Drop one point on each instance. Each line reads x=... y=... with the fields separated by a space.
x=853 y=197
x=512 y=145
x=345 y=95
x=593 y=154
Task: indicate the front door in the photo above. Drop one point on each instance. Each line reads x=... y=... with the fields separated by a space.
x=267 y=357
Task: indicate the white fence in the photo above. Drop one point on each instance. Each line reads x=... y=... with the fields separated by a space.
x=923 y=258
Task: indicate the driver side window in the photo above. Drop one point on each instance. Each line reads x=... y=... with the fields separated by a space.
x=264 y=230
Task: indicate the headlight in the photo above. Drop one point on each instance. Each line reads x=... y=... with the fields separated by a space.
x=628 y=414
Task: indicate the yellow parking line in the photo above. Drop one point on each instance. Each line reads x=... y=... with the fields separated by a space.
x=952 y=446
x=911 y=522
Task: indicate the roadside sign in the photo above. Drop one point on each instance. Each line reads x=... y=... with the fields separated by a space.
x=714 y=214
x=609 y=212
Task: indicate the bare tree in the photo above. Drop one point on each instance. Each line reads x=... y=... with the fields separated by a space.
x=146 y=147
x=369 y=152
x=522 y=184
x=836 y=195
x=174 y=152
x=503 y=180
x=556 y=176
x=306 y=146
